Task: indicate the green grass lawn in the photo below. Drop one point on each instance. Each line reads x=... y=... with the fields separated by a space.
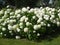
x=55 y=41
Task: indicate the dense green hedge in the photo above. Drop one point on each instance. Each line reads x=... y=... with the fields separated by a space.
x=28 y=23
x=33 y=3
x=30 y=3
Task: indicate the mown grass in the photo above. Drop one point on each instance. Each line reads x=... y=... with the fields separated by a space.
x=55 y=41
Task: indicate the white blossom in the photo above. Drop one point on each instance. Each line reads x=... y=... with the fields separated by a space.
x=26 y=19
x=10 y=27
x=21 y=24
x=58 y=23
x=28 y=7
x=52 y=16
x=17 y=37
x=39 y=26
x=24 y=9
x=11 y=13
x=27 y=23
x=31 y=10
x=8 y=10
x=5 y=13
x=21 y=27
x=11 y=21
x=4 y=23
x=42 y=23
x=12 y=16
x=17 y=11
x=39 y=20
x=15 y=27
x=46 y=17
x=10 y=31
x=22 y=18
x=1 y=12
x=26 y=29
x=8 y=21
x=18 y=30
x=1 y=33
x=59 y=15
x=35 y=27
x=8 y=6
x=59 y=10
x=3 y=29
x=48 y=25
x=4 y=34
x=1 y=20
x=18 y=15
x=34 y=17
x=34 y=31
x=38 y=34
x=54 y=21
x=53 y=9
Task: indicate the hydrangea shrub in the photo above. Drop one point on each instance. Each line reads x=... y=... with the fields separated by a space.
x=28 y=23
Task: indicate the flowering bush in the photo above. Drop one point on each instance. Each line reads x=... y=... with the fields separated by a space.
x=28 y=23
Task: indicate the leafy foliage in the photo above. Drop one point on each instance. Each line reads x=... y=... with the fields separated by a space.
x=28 y=23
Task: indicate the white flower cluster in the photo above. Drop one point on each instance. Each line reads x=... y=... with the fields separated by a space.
x=28 y=20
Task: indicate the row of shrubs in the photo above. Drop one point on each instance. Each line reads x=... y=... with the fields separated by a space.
x=29 y=23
